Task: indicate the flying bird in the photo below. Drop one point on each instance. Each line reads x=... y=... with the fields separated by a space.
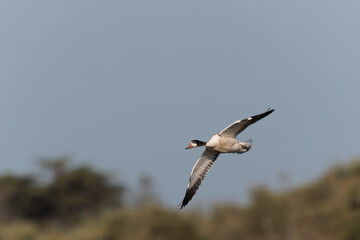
x=222 y=142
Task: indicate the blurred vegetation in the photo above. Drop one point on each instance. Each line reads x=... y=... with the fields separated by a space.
x=68 y=195
x=80 y=203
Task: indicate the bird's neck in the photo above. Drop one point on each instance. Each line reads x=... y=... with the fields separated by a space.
x=199 y=143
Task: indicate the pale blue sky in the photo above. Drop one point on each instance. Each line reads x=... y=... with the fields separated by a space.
x=125 y=85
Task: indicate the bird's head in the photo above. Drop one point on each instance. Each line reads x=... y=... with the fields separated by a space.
x=195 y=143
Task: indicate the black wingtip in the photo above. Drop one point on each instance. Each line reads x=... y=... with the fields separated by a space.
x=186 y=200
x=270 y=110
x=182 y=205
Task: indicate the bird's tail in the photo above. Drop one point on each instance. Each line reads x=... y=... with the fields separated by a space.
x=246 y=146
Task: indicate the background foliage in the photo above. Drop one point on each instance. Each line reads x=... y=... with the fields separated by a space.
x=81 y=203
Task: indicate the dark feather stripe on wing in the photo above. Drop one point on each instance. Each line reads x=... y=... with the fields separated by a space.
x=198 y=174
x=237 y=127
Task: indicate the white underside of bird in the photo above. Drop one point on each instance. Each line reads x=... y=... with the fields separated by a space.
x=227 y=144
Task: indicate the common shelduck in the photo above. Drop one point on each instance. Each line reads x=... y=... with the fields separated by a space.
x=222 y=142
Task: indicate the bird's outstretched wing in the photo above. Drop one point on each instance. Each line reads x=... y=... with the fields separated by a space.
x=198 y=174
x=237 y=127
